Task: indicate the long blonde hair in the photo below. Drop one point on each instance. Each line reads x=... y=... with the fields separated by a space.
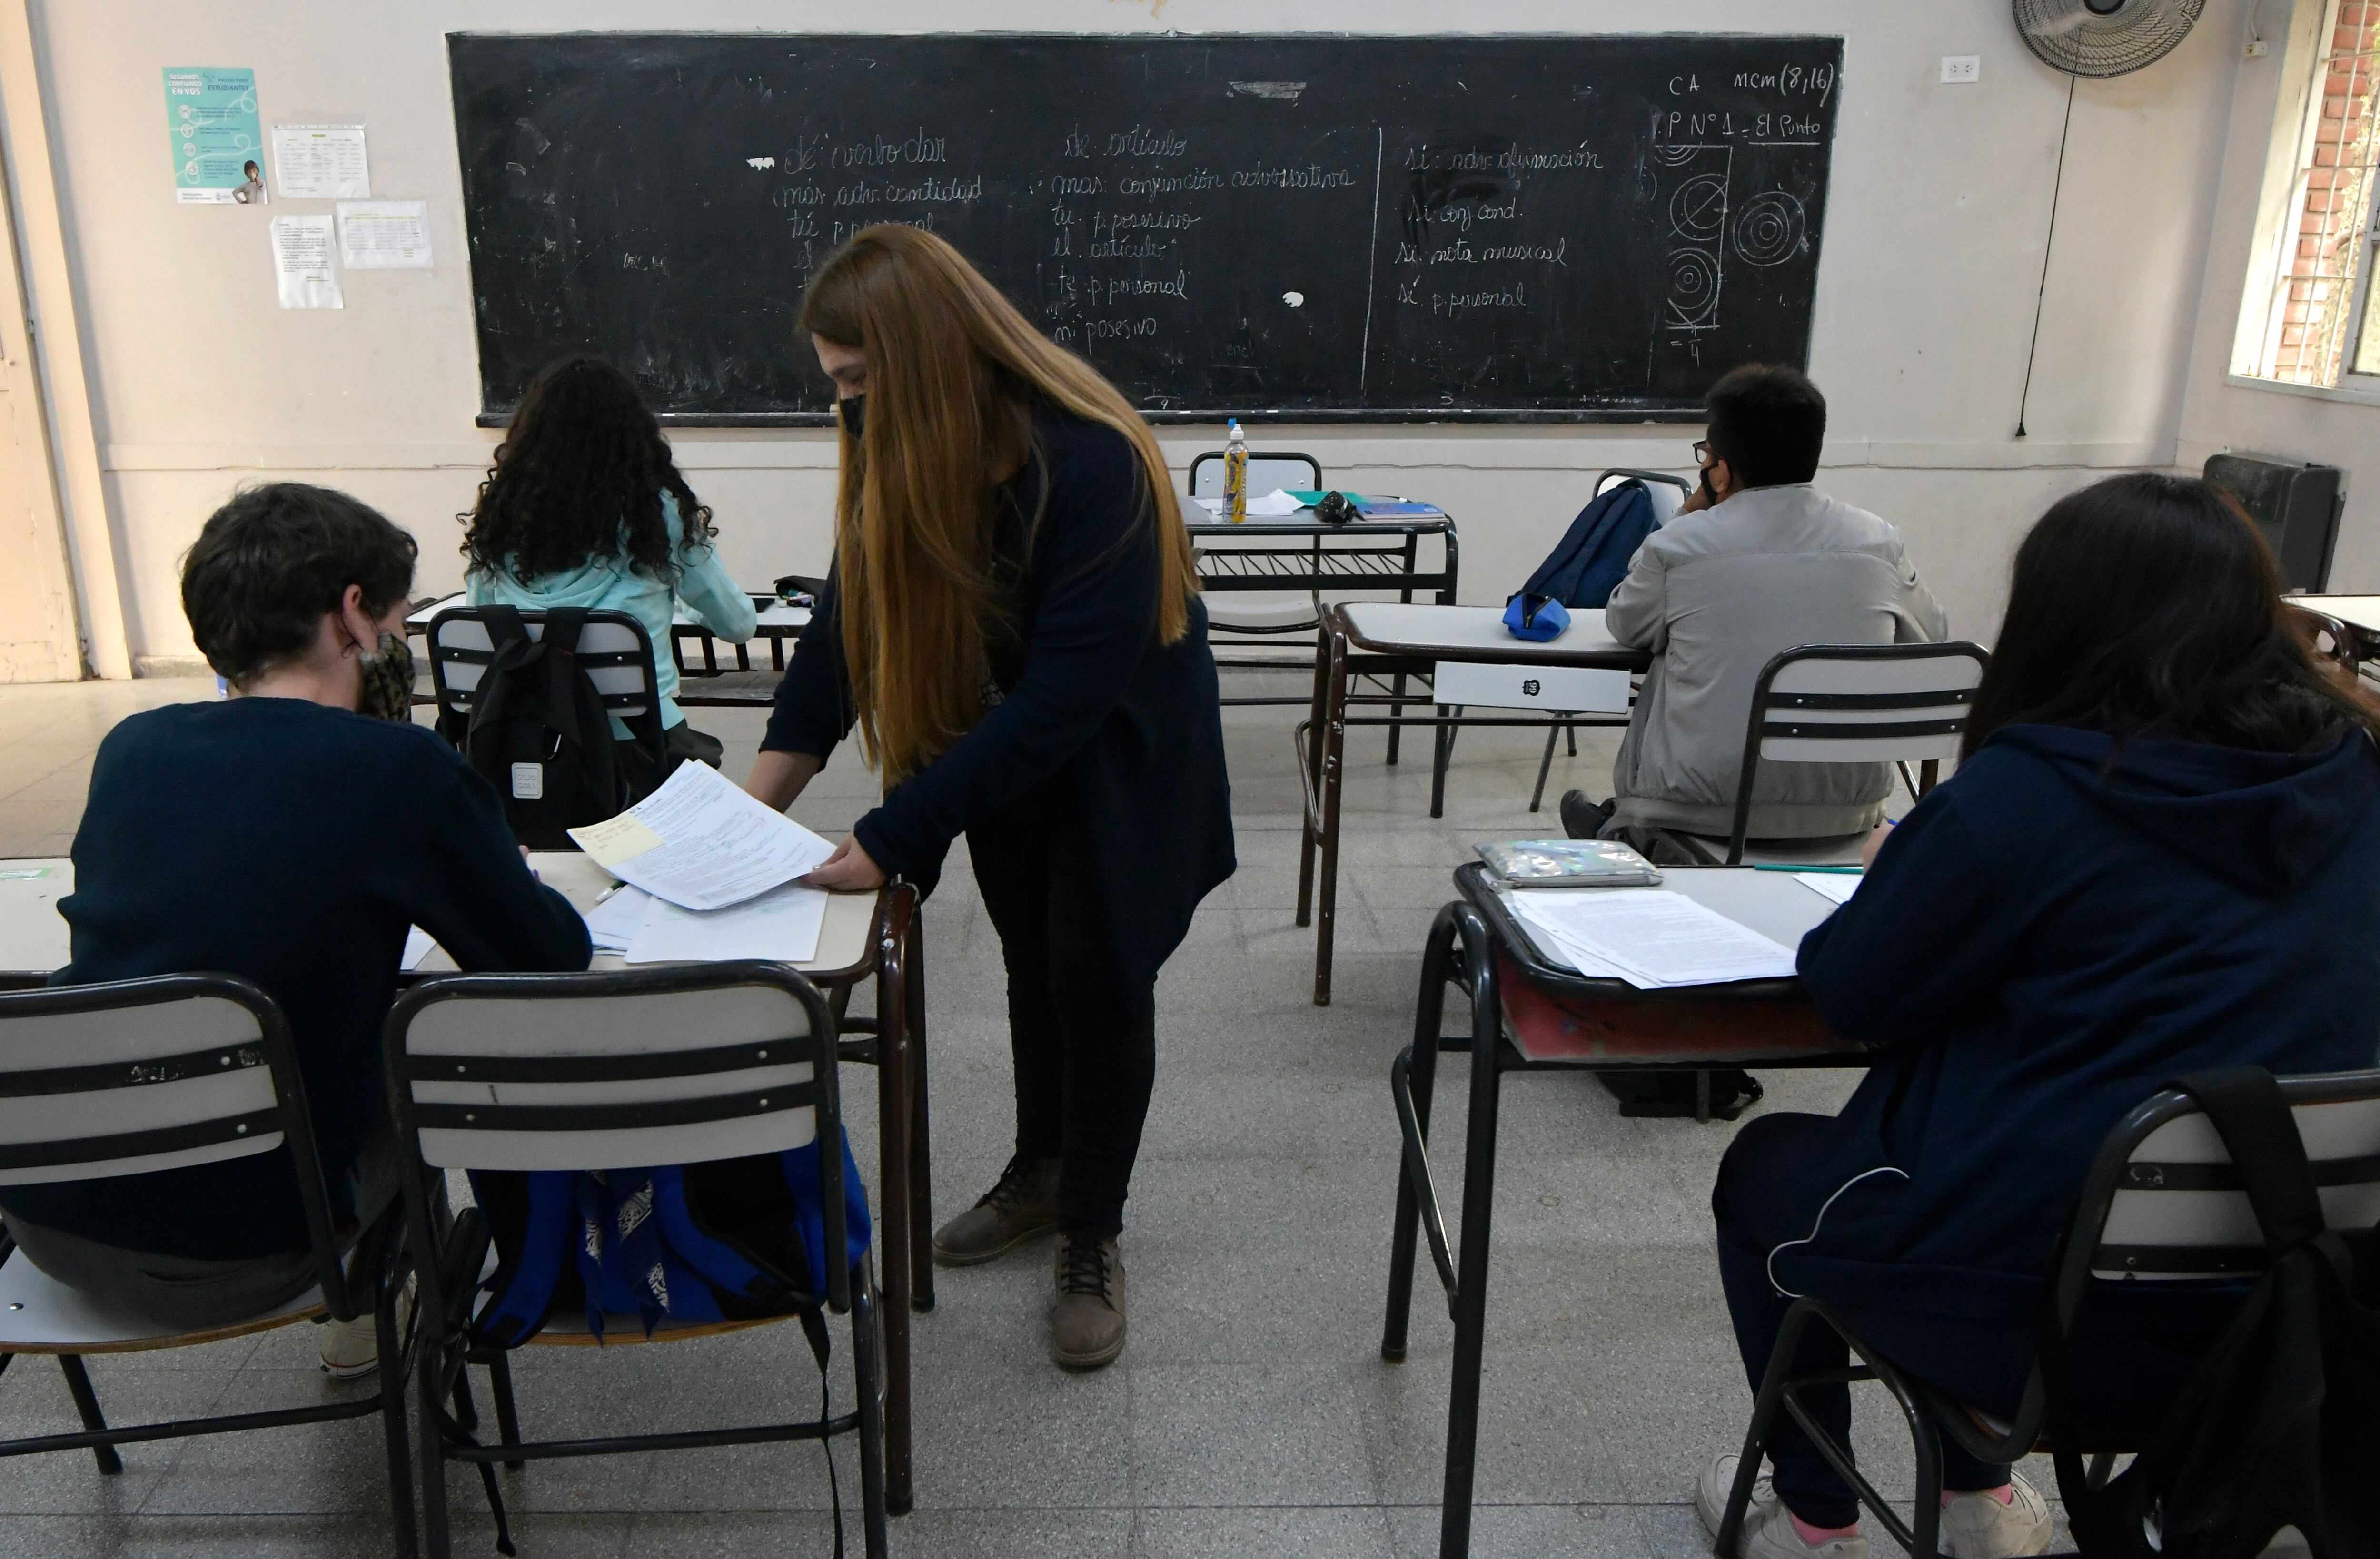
x=952 y=368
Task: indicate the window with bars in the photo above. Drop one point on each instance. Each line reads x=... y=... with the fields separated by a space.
x=2320 y=322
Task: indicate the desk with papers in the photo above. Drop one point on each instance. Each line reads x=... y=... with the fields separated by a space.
x=1694 y=975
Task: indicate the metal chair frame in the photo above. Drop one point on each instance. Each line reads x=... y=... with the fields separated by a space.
x=357 y=1284
x=1931 y=1414
x=641 y=710
x=1461 y=951
x=451 y=1249
x=1931 y=726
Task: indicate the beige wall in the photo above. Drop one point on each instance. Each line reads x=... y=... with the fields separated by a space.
x=1932 y=256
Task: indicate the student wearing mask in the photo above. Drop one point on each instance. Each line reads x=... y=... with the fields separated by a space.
x=1756 y=561
x=586 y=508
x=289 y=834
x=2160 y=853
x=1014 y=623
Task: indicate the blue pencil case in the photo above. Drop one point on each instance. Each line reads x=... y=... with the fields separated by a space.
x=1536 y=618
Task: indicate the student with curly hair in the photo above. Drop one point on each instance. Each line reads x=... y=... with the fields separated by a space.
x=585 y=508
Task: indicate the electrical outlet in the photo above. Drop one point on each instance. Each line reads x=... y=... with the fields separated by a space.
x=2258 y=48
x=1962 y=67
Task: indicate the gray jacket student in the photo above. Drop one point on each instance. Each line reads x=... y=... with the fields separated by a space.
x=1758 y=562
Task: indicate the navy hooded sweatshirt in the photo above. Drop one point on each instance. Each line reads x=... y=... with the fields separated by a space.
x=2051 y=935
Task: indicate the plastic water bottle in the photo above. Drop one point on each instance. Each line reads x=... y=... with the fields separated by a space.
x=1235 y=475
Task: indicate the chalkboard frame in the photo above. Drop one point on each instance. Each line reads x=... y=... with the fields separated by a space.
x=1641 y=414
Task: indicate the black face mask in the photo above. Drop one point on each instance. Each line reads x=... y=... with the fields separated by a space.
x=854 y=412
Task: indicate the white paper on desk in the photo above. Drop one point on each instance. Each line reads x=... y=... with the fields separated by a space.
x=1556 y=946
x=781 y=923
x=1658 y=939
x=1214 y=506
x=1276 y=504
x=611 y=925
x=1837 y=886
x=701 y=843
x=419 y=945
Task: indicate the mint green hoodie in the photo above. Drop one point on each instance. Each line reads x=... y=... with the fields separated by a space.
x=711 y=598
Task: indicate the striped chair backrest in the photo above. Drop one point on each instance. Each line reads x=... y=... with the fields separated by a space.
x=678 y=1065
x=611 y=649
x=135 y=1076
x=1267 y=473
x=2178 y=1211
x=1866 y=703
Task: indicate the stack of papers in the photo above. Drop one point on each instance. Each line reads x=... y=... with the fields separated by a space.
x=1837 y=885
x=612 y=923
x=701 y=843
x=1652 y=939
x=781 y=923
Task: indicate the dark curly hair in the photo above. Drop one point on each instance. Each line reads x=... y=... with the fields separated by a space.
x=580 y=476
x=270 y=563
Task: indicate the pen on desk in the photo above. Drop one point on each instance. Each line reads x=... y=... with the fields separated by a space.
x=1830 y=871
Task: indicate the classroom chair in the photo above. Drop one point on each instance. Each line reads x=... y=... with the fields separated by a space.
x=1257 y=615
x=1857 y=702
x=2161 y=1203
x=168 y=1072
x=681 y=1064
x=614 y=652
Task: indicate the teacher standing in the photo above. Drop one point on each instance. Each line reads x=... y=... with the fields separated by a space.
x=1013 y=622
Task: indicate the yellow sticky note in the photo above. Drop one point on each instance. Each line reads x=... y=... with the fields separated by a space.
x=616 y=838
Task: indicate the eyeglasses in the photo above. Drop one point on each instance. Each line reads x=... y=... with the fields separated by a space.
x=1701 y=452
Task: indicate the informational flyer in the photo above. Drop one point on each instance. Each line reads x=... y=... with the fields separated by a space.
x=321 y=163
x=218 y=143
x=385 y=235
x=306 y=262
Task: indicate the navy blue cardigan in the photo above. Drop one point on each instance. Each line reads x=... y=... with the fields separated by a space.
x=293 y=845
x=2043 y=941
x=1133 y=726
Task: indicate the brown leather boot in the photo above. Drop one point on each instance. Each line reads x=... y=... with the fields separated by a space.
x=1024 y=1203
x=1086 y=1321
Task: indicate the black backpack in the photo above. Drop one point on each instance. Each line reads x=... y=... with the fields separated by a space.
x=1594 y=553
x=539 y=734
x=2279 y=1424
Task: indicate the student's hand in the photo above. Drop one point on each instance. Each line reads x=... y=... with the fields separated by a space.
x=1874 y=842
x=1696 y=501
x=848 y=870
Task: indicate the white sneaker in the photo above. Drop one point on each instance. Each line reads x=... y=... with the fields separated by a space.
x=351 y=1349
x=1768 y=1526
x=1976 y=1526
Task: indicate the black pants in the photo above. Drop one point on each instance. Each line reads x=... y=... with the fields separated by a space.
x=2131 y=1349
x=1085 y=1043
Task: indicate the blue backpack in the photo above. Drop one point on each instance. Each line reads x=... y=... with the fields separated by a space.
x=1593 y=556
x=736 y=1239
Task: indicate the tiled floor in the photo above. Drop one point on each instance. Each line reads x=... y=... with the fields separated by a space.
x=1251 y=1415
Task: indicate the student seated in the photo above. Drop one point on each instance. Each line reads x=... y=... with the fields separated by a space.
x=289 y=834
x=1756 y=561
x=585 y=508
x=2160 y=853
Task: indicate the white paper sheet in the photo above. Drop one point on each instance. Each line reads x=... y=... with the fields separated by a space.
x=701 y=843
x=321 y=162
x=1658 y=940
x=611 y=925
x=781 y=923
x=1274 y=506
x=1837 y=886
x=305 y=262
x=1553 y=944
x=419 y=945
x=385 y=235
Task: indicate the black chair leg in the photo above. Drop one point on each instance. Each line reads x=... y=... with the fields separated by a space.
x=1571 y=728
x=467 y=1417
x=86 y=1402
x=436 y=1528
x=1396 y=708
x=500 y=1386
x=1925 y=1517
x=1446 y=730
x=868 y=1373
x=1756 y=1439
x=395 y=1431
x=1419 y=1065
x=1471 y=1276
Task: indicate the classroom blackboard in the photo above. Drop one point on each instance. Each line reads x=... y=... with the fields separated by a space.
x=1301 y=227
